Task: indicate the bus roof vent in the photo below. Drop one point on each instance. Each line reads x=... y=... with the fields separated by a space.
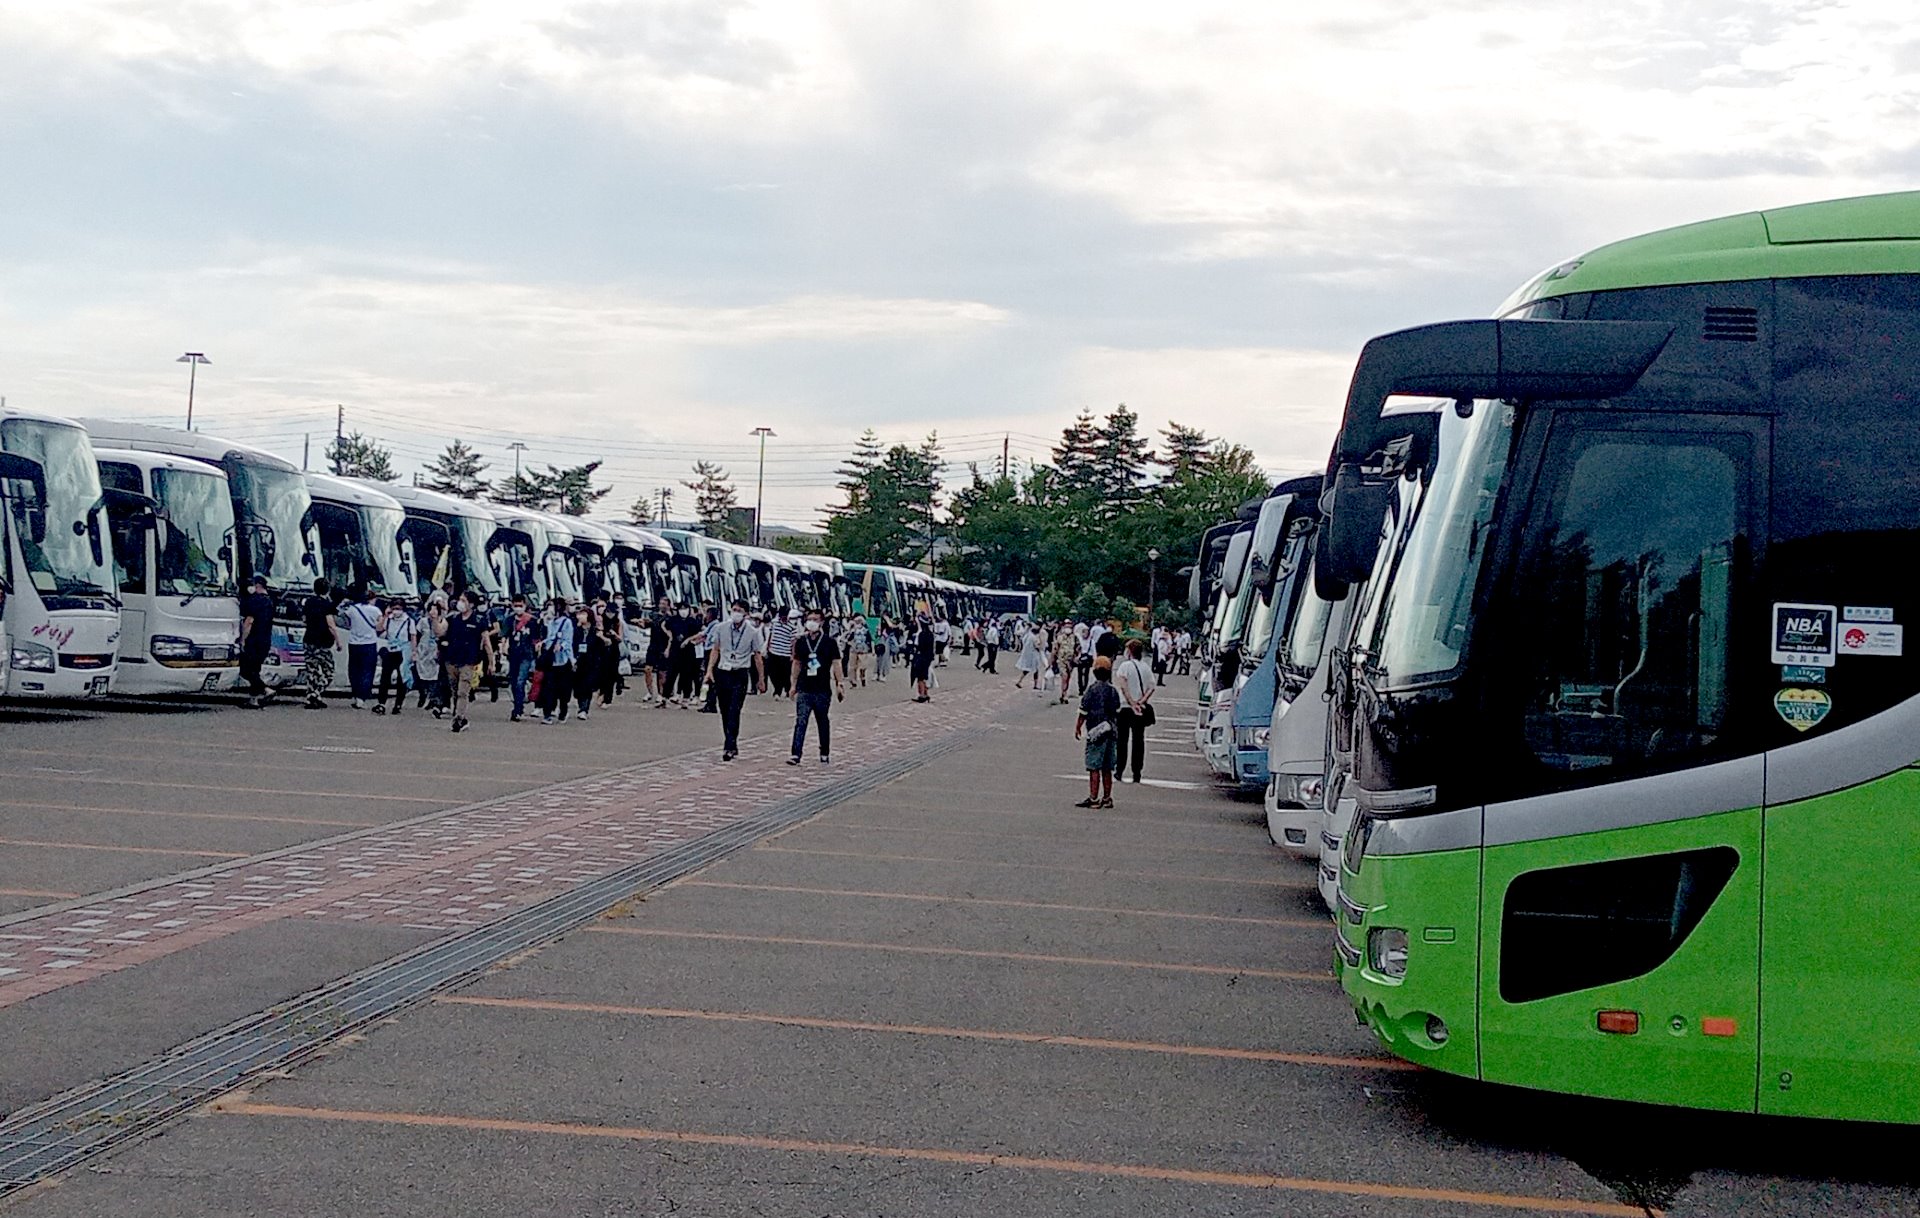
x=1732 y=324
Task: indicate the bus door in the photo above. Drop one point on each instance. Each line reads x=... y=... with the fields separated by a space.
x=1620 y=872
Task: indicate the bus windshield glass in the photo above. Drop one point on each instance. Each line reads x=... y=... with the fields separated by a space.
x=383 y=546
x=1302 y=650
x=1424 y=610
x=59 y=561
x=474 y=536
x=199 y=521
x=281 y=541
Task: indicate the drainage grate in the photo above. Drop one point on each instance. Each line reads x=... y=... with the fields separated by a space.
x=49 y=1138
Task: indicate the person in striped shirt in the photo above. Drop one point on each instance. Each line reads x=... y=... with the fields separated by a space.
x=780 y=653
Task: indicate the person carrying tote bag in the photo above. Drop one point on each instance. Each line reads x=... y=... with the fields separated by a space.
x=1135 y=683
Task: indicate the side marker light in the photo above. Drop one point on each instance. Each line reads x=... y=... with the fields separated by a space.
x=1619 y=1023
x=1713 y=1025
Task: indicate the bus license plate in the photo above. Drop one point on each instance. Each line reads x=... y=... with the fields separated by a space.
x=97 y=686
x=211 y=683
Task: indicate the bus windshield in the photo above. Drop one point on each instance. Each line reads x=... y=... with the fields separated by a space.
x=1302 y=649
x=383 y=546
x=60 y=562
x=199 y=522
x=473 y=538
x=277 y=512
x=1424 y=610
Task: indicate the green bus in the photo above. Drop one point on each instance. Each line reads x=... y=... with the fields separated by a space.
x=1636 y=754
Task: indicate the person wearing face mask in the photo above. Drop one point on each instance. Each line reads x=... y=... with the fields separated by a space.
x=816 y=682
x=736 y=657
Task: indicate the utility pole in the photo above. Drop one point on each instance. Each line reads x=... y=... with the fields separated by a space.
x=306 y=449
x=517 y=448
x=666 y=497
x=1006 y=443
x=760 y=487
x=193 y=360
x=339 y=441
x=1153 y=566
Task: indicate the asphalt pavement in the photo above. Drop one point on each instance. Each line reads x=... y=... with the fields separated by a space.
x=952 y=993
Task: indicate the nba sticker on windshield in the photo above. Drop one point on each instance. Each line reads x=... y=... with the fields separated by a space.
x=1804 y=634
x=1860 y=639
x=1802 y=708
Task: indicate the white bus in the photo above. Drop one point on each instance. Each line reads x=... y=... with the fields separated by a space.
x=273 y=521
x=173 y=535
x=454 y=541
x=360 y=542
x=61 y=613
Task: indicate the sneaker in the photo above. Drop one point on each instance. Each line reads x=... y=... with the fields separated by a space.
x=515 y=717
x=728 y=754
x=397 y=706
x=546 y=720
x=379 y=708
x=1088 y=803
x=459 y=725
x=824 y=760
x=359 y=705
x=1105 y=803
x=315 y=704
x=439 y=712
x=794 y=760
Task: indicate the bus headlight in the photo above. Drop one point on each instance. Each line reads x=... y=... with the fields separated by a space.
x=1387 y=951
x=1301 y=790
x=1250 y=737
x=32 y=657
x=168 y=647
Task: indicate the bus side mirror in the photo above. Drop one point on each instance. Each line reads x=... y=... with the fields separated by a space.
x=1357 y=503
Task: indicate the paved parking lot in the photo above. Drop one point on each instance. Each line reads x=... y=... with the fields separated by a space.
x=952 y=993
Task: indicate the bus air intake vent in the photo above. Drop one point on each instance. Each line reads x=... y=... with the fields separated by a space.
x=1732 y=324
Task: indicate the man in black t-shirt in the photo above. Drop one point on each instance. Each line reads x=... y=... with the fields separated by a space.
x=816 y=680
x=256 y=639
x=318 y=611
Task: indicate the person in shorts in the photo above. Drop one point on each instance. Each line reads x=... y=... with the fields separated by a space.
x=1097 y=725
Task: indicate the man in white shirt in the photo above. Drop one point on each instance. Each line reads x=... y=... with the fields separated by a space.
x=1135 y=683
x=736 y=655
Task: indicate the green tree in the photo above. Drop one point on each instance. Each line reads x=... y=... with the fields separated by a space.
x=1123 y=610
x=1091 y=603
x=890 y=516
x=867 y=454
x=799 y=543
x=572 y=489
x=457 y=472
x=525 y=489
x=714 y=499
x=1052 y=604
x=1183 y=449
x=356 y=456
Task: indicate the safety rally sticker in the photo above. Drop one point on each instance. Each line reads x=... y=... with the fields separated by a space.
x=1860 y=639
x=1803 y=709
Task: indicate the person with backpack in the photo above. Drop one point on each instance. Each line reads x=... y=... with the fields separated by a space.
x=1099 y=709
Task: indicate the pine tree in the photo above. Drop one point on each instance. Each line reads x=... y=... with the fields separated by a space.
x=525 y=489
x=356 y=456
x=867 y=454
x=1075 y=458
x=1183 y=449
x=572 y=489
x=714 y=498
x=1121 y=458
x=457 y=472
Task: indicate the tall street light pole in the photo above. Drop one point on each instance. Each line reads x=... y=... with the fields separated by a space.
x=193 y=360
x=760 y=486
x=517 y=448
x=1153 y=559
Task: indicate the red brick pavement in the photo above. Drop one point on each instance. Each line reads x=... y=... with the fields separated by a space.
x=466 y=866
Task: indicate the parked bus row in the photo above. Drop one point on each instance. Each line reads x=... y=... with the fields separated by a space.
x=125 y=546
x=1579 y=676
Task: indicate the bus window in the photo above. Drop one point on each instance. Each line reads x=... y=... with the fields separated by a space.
x=1628 y=591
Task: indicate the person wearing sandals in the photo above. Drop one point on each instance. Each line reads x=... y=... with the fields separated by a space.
x=1097 y=725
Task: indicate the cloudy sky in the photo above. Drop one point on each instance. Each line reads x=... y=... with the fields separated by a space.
x=636 y=230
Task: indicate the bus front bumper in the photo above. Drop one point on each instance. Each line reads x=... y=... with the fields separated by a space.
x=1406 y=950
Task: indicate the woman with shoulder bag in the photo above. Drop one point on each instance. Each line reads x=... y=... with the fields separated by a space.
x=1135 y=683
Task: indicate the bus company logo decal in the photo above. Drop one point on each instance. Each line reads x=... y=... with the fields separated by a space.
x=61 y=635
x=1803 y=709
x=1860 y=639
x=1804 y=634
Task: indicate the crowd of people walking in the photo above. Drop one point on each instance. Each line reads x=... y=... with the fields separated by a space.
x=558 y=661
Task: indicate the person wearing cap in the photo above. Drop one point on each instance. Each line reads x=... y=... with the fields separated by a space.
x=256 y=639
x=736 y=657
x=1098 y=725
x=780 y=651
